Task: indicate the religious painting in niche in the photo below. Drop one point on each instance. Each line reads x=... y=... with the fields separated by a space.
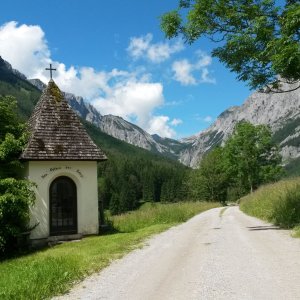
x=63 y=206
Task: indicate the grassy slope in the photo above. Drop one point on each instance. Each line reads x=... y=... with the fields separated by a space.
x=278 y=203
x=26 y=94
x=47 y=273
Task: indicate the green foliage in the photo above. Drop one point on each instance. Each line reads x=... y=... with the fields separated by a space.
x=248 y=159
x=278 y=203
x=258 y=39
x=13 y=137
x=251 y=158
x=9 y=121
x=126 y=181
x=15 y=198
x=287 y=210
x=209 y=182
x=15 y=195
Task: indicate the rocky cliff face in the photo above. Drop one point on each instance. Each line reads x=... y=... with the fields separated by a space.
x=130 y=133
x=280 y=111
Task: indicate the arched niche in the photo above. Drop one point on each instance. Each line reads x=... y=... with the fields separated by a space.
x=63 y=206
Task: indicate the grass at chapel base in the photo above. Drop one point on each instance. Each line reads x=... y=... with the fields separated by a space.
x=278 y=203
x=52 y=271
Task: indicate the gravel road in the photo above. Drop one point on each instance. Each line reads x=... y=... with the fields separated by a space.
x=232 y=256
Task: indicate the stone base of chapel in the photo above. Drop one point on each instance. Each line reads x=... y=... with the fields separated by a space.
x=53 y=240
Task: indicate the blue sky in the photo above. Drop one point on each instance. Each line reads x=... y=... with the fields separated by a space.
x=114 y=54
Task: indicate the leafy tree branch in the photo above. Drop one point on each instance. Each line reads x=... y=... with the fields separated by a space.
x=257 y=39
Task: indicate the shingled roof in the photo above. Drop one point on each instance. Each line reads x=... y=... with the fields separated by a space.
x=56 y=132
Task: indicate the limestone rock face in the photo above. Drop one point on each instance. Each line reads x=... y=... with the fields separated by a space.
x=130 y=133
x=280 y=111
x=85 y=110
x=38 y=84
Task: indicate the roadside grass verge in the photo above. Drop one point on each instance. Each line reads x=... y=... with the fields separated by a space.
x=296 y=232
x=156 y=213
x=278 y=203
x=53 y=271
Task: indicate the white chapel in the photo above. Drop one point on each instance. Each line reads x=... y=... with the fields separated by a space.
x=62 y=160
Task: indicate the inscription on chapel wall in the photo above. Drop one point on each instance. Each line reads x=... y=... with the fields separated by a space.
x=53 y=169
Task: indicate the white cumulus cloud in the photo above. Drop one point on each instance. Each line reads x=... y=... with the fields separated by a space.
x=142 y=47
x=132 y=100
x=193 y=72
x=25 y=47
x=183 y=72
x=176 y=122
x=160 y=126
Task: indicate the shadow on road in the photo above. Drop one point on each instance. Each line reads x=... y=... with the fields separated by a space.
x=266 y=227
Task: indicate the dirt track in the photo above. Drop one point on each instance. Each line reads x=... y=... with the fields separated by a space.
x=209 y=257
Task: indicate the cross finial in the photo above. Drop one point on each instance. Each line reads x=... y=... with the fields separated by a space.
x=50 y=69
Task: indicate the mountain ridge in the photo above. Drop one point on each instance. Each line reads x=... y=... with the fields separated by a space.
x=280 y=111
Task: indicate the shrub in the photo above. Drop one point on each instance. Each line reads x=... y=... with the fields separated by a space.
x=287 y=210
x=15 y=198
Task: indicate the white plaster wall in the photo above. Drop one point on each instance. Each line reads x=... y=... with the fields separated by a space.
x=84 y=174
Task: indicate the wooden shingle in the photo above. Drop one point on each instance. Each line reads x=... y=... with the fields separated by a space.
x=56 y=132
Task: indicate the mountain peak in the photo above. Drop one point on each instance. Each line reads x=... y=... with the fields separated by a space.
x=6 y=67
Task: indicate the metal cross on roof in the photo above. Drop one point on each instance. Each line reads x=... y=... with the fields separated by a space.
x=50 y=69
